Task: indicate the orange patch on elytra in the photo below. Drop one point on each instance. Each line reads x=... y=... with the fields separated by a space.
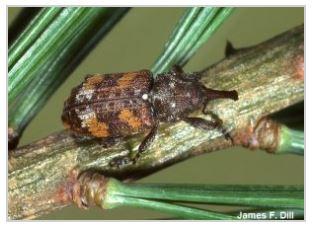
x=91 y=81
x=96 y=128
x=66 y=125
x=95 y=79
x=128 y=117
x=87 y=86
x=126 y=80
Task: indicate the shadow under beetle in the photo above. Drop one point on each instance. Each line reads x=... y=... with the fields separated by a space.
x=112 y=106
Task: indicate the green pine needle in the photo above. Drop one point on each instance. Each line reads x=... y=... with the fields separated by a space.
x=48 y=51
x=220 y=17
x=31 y=33
x=180 y=211
x=291 y=141
x=158 y=196
x=195 y=27
x=247 y=195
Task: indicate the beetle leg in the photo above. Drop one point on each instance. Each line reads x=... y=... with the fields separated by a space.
x=119 y=162
x=208 y=125
x=148 y=140
x=204 y=111
x=214 y=116
x=177 y=70
x=189 y=77
x=202 y=123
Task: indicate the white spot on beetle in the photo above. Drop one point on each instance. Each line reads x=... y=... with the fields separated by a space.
x=144 y=96
x=173 y=105
x=84 y=94
x=86 y=115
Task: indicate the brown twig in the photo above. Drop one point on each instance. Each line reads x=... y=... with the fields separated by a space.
x=268 y=77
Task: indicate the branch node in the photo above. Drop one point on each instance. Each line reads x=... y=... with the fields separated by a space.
x=89 y=189
x=264 y=135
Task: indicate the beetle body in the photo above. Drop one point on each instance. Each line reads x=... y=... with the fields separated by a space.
x=110 y=105
x=123 y=104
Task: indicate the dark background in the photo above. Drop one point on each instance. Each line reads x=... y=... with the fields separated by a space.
x=134 y=44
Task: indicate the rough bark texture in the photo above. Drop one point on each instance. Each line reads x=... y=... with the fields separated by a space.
x=268 y=78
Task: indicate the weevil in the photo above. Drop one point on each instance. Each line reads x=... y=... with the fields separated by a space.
x=110 y=106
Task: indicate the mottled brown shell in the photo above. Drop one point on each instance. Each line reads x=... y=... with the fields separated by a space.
x=110 y=105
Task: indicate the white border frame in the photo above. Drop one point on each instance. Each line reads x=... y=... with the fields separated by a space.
x=156 y=225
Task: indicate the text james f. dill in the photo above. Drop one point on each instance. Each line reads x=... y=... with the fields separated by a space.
x=270 y=215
